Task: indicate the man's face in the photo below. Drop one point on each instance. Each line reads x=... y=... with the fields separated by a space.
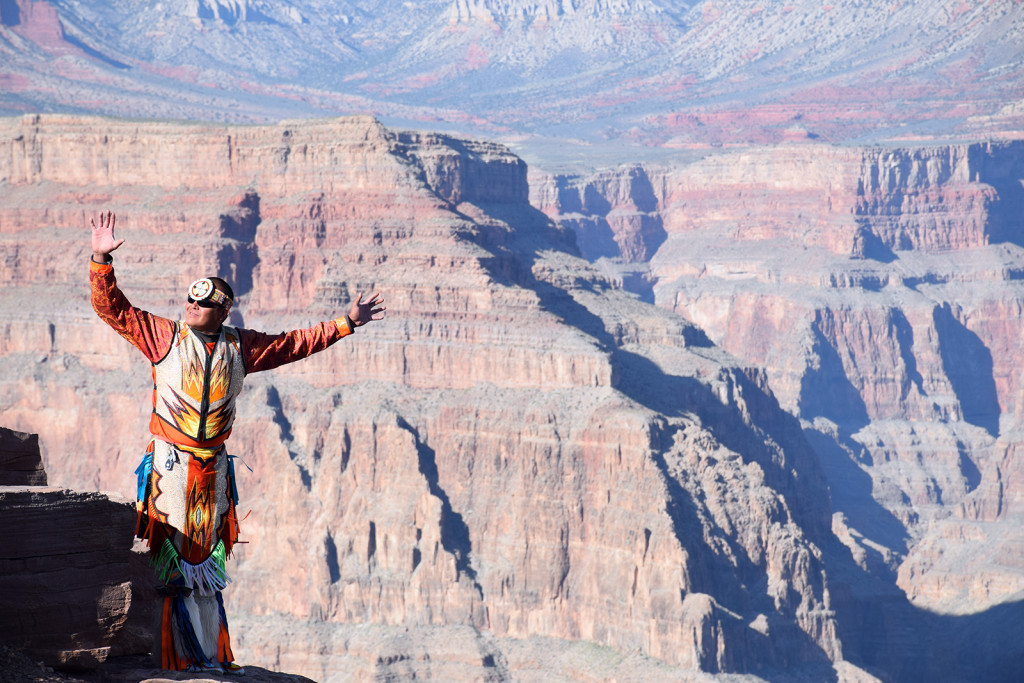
x=207 y=320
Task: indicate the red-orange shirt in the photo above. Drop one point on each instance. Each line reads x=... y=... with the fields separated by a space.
x=152 y=335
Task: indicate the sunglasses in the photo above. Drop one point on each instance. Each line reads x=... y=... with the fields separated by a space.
x=204 y=304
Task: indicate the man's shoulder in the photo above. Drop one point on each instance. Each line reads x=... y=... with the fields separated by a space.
x=233 y=336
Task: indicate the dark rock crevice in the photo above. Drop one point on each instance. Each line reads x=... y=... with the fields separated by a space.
x=455 y=535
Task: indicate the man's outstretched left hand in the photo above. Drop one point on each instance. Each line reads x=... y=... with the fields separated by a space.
x=362 y=312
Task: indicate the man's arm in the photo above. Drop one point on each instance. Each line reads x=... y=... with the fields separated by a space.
x=149 y=333
x=265 y=352
x=262 y=351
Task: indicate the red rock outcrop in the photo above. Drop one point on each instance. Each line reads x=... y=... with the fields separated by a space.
x=67 y=595
x=20 y=462
x=75 y=595
x=520 y=450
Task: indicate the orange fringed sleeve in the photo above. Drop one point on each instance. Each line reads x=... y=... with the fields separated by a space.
x=149 y=333
x=266 y=352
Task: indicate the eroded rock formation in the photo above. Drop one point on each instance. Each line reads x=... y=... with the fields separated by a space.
x=77 y=600
x=524 y=456
x=521 y=448
x=68 y=594
x=880 y=289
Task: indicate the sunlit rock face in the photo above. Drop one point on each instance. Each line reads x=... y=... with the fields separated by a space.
x=880 y=290
x=522 y=454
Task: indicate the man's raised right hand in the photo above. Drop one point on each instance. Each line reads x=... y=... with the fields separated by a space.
x=103 y=241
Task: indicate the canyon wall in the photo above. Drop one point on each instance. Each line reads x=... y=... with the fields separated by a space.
x=791 y=449
x=521 y=457
x=880 y=289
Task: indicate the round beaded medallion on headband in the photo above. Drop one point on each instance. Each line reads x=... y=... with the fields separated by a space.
x=203 y=290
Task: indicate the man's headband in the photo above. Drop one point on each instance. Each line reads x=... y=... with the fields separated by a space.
x=204 y=290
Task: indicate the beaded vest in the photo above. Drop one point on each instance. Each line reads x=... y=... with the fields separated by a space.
x=194 y=389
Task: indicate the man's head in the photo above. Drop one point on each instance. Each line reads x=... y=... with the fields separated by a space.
x=209 y=301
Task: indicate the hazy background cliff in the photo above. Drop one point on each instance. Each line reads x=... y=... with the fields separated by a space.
x=745 y=400
x=586 y=81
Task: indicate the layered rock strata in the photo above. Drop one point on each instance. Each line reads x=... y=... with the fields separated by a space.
x=67 y=595
x=521 y=448
x=20 y=461
x=881 y=290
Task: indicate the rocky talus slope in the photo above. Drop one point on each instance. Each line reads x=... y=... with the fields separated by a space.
x=524 y=471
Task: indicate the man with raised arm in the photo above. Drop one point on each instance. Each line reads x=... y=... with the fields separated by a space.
x=186 y=481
